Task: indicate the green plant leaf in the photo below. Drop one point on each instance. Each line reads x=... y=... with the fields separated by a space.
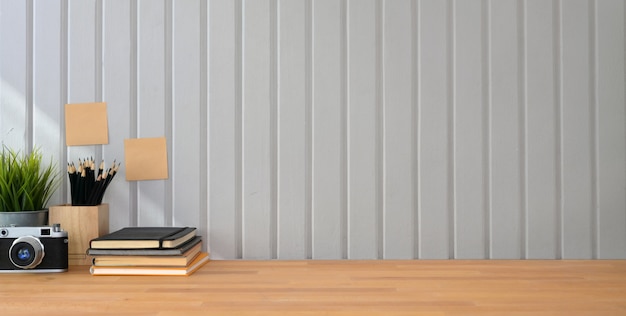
x=26 y=183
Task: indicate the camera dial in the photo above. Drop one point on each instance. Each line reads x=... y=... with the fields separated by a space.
x=26 y=252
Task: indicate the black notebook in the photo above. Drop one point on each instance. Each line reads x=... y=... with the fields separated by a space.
x=177 y=251
x=144 y=238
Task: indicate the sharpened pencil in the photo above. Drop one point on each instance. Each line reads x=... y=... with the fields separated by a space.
x=87 y=187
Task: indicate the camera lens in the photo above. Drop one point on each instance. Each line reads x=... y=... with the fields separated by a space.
x=26 y=252
x=23 y=254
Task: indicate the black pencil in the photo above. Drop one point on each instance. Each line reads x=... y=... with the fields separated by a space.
x=109 y=178
x=71 y=172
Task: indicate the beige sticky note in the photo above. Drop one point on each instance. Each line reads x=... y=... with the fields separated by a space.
x=145 y=158
x=86 y=124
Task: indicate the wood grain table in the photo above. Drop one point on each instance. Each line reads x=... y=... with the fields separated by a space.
x=315 y=287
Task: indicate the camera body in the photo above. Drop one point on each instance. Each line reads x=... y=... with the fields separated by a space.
x=33 y=249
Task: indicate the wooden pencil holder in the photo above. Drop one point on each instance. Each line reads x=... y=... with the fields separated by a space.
x=82 y=223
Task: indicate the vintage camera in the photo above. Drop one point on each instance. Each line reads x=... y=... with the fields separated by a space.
x=33 y=249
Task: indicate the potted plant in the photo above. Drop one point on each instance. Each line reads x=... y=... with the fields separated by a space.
x=26 y=185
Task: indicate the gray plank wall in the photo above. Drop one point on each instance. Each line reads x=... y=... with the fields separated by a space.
x=340 y=128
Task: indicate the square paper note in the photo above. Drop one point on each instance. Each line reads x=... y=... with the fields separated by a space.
x=86 y=124
x=145 y=158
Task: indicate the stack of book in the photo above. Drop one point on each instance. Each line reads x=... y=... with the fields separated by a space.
x=148 y=251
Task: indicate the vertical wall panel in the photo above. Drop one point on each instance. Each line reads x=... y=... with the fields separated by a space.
x=47 y=115
x=82 y=71
x=82 y=40
x=576 y=117
x=398 y=127
x=224 y=117
x=186 y=140
x=151 y=105
x=256 y=130
x=469 y=195
x=541 y=129
x=327 y=124
x=611 y=130
x=13 y=73
x=117 y=94
x=506 y=146
x=363 y=138
x=434 y=131
x=292 y=146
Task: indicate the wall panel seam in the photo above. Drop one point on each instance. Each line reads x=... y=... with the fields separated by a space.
x=99 y=63
x=381 y=164
x=203 y=214
x=274 y=141
x=343 y=196
x=348 y=124
x=98 y=53
x=348 y=134
x=593 y=120
x=238 y=126
x=414 y=126
x=522 y=110
x=169 y=92
x=134 y=101
x=308 y=112
x=486 y=94
x=418 y=140
x=30 y=75
x=558 y=75
x=64 y=77
x=379 y=131
x=451 y=121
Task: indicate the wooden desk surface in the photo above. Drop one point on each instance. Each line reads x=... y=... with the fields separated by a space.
x=330 y=288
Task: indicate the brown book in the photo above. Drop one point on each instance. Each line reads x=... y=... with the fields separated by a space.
x=200 y=260
x=173 y=261
x=144 y=238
